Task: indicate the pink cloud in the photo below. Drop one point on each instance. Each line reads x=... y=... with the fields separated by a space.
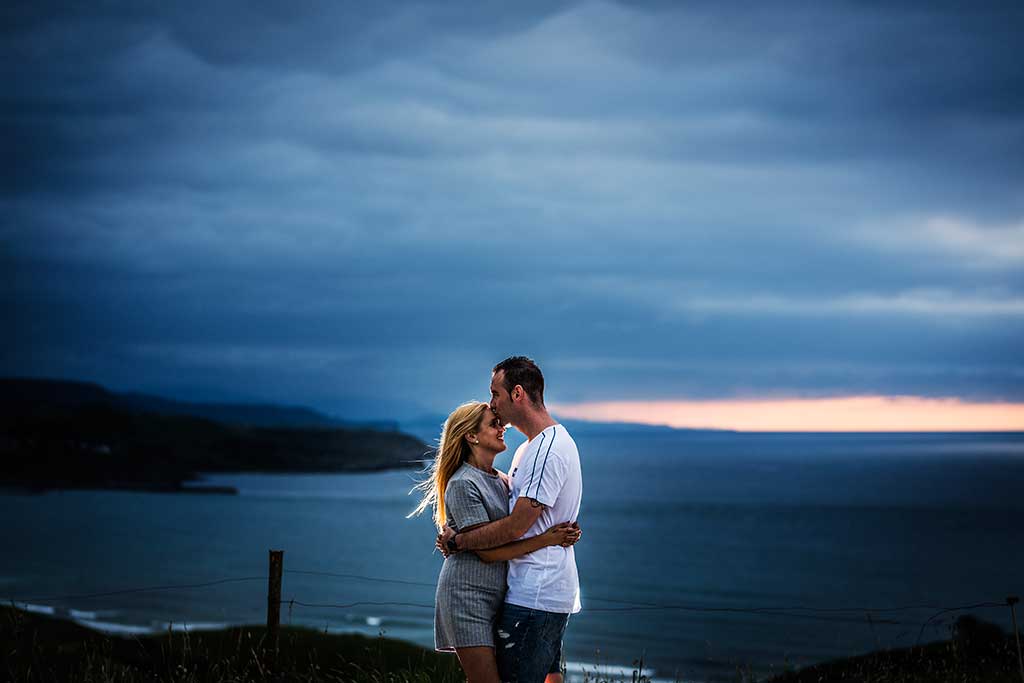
x=846 y=414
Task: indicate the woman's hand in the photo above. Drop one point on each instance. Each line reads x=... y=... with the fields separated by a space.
x=442 y=540
x=564 y=534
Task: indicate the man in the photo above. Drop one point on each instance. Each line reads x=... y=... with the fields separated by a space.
x=546 y=489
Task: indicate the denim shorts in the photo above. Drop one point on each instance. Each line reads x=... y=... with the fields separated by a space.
x=528 y=643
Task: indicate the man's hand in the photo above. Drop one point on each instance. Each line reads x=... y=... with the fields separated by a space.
x=564 y=534
x=442 y=540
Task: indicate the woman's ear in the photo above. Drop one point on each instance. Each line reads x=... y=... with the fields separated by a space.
x=472 y=439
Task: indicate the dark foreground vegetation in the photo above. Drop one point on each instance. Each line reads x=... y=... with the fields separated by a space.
x=34 y=648
x=39 y=648
x=978 y=652
x=74 y=435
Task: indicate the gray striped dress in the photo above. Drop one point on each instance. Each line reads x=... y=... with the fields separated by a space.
x=470 y=591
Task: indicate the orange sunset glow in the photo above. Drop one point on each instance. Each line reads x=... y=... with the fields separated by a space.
x=847 y=414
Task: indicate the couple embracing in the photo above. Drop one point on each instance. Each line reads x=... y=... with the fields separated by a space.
x=509 y=582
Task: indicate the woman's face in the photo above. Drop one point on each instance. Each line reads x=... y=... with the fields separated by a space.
x=491 y=432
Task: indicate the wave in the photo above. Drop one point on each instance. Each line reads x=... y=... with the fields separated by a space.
x=154 y=627
x=58 y=611
x=189 y=626
x=88 y=614
x=581 y=671
x=30 y=607
x=114 y=628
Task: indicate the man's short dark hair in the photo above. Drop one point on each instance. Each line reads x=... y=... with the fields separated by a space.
x=524 y=372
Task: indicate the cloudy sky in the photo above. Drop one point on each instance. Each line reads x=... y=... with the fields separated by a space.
x=362 y=207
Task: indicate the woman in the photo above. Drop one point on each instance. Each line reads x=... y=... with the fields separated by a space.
x=466 y=491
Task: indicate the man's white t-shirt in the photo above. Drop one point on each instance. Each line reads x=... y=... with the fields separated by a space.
x=547 y=469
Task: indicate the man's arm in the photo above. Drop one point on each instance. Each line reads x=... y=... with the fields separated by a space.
x=564 y=534
x=506 y=530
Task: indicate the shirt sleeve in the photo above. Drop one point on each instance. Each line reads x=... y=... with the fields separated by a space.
x=464 y=504
x=546 y=477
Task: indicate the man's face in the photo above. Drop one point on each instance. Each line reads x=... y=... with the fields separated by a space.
x=501 y=401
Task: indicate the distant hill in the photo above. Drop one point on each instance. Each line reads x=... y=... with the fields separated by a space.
x=43 y=395
x=57 y=434
x=630 y=428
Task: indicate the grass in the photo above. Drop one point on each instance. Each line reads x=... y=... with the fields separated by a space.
x=36 y=647
x=40 y=648
x=977 y=652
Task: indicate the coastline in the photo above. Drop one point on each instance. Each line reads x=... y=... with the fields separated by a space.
x=68 y=435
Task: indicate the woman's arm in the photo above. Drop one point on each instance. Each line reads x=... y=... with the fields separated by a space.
x=565 y=534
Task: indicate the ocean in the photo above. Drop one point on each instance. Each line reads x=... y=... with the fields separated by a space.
x=701 y=553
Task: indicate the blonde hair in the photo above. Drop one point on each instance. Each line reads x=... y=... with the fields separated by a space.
x=452 y=451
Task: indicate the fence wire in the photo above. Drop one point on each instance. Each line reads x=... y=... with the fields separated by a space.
x=836 y=614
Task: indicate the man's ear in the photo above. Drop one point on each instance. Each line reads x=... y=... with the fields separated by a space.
x=517 y=392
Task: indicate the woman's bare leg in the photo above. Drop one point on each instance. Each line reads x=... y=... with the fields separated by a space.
x=479 y=664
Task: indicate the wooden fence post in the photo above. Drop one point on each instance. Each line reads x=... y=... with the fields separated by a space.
x=274 y=607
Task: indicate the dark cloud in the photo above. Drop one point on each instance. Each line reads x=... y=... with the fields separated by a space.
x=353 y=205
